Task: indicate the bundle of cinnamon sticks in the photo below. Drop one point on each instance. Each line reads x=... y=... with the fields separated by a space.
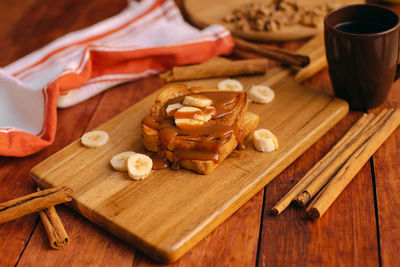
x=42 y=202
x=329 y=177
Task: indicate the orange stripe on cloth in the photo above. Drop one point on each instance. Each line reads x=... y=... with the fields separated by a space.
x=44 y=63
x=99 y=63
x=19 y=144
x=156 y=5
x=137 y=61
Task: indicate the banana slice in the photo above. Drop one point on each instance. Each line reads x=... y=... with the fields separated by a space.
x=230 y=85
x=261 y=94
x=139 y=166
x=189 y=117
x=118 y=162
x=199 y=101
x=169 y=110
x=265 y=141
x=94 y=139
x=208 y=113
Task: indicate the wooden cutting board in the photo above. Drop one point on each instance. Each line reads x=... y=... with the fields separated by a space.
x=206 y=12
x=171 y=211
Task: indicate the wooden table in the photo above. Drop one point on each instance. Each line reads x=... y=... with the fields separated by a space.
x=361 y=228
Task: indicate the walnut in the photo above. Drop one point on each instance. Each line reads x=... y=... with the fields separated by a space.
x=243 y=25
x=273 y=15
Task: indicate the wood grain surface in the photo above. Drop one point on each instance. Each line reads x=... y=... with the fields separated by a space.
x=160 y=215
x=250 y=237
x=387 y=189
x=207 y=12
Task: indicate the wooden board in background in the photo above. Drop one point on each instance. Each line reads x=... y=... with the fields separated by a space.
x=206 y=12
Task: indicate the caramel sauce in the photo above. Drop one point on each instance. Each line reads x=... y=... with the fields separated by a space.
x=159 y=162
x=150 y=122
x=188 y=115
x=224 y=102
x=209 y=110
x=196 y=155
x=200 y=143
x=172 y=113
x=199 y=96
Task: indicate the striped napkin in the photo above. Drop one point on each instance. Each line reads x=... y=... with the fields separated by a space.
x=144 y=39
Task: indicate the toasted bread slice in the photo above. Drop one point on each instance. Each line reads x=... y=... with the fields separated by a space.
x=248 y=125
x=171 y=91
x=243 y=121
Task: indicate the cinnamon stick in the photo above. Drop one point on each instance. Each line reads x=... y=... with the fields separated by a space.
x=281 y=55
x=216 y=67
x=325 y=173
x=326 y=160
x=315 y=66
x=349 y=170
x=54 y=228
x=34 y=202
x=243 y=54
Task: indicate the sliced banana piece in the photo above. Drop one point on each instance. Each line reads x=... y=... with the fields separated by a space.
x=199 y=101
x=118 y=162
x=139 y=166
x=230 y=85
x=265 y=141
x=189 y=117
x=94 y=139
x=261 y=94
x=171 y=108
x=208 y=113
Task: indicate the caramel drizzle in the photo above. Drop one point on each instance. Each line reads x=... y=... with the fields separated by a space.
x=188 y=115
x=206 y=140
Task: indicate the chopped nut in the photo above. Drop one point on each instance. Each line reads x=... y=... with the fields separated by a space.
x=274 y=15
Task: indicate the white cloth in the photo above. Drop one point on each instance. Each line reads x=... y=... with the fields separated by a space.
x=146 y=38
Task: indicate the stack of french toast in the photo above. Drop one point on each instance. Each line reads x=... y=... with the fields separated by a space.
x=197 y=128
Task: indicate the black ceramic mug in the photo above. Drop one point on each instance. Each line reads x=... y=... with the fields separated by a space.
x=362 y=49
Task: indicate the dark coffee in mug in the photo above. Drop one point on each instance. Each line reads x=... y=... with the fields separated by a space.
x=362 y=49
x=360 y=27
